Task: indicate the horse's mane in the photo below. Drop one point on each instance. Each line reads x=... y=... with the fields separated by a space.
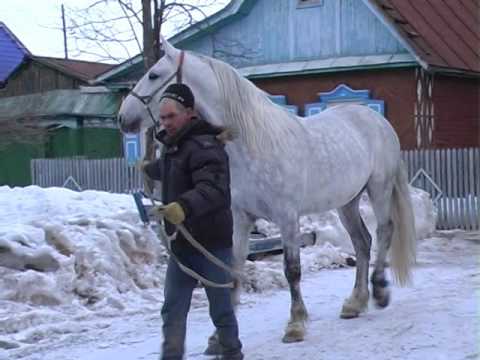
x=264 y=127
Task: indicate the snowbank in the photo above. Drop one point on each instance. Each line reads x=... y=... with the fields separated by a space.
x=67 y=256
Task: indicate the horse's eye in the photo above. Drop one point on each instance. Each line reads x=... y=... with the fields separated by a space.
x=152 y=75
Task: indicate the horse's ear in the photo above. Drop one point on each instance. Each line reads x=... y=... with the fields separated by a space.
x=166 y=47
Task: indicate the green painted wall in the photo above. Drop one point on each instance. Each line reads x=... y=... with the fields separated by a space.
x=15 y=163
x=91 y=143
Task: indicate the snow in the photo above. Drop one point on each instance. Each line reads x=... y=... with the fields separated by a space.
x=81 y=277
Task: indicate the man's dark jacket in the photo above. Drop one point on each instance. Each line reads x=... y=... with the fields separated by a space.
x=194 y=172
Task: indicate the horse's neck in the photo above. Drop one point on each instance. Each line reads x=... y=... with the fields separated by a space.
x=208 y=112
x=224 y=98
x=200 y=77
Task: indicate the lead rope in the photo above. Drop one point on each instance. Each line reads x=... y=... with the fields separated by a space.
x=166 y=241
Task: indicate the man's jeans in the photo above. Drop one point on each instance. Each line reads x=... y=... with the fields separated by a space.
x=178 y=294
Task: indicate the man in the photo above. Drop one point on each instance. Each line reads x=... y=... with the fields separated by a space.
x=195 y=177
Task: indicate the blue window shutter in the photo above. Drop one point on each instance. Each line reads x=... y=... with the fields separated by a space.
x=131 y=147
x=377 y=105
x=278 y=99
x=314 y=108
x=344 y=94
x=292 y=108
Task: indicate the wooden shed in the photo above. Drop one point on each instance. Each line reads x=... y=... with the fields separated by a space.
x=50 y=93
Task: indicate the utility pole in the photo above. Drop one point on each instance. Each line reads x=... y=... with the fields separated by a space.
x=64 y=28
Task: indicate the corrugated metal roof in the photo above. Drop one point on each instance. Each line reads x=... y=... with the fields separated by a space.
x=84 y=70
x=60 y=102
x=12 y=52
x=444 y=34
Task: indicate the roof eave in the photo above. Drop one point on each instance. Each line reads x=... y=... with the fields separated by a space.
x=17 y=40
x=332 y=70
x=393 y=29
x=233 y=10
x=60 y=69
x=454 y=72
x=100 y=79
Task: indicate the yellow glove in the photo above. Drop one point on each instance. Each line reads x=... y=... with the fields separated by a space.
x=173 y=212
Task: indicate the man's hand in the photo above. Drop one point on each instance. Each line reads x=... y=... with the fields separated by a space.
x=173 y=212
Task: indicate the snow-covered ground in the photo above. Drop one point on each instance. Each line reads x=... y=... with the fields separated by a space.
x=81 y=278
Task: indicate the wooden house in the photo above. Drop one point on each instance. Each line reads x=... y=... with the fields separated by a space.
x=51 y=93
x=418 y=62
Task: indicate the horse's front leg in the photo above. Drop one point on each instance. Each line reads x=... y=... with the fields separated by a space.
x=242 y=226
x=295 y=330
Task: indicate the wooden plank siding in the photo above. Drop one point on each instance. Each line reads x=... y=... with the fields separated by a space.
x=457 y=112
x=456 y=101
x=33 y=77
x=278 y=31
x=395 y=86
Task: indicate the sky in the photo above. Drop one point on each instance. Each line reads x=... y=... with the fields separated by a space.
x=37 y=24
x=34 y=23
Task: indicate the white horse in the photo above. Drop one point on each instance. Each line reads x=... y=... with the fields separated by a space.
x=284 y=166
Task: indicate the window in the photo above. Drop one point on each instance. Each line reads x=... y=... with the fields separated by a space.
x=343 y=94
x=282 y=101
x=131 y=146
x=309 y=3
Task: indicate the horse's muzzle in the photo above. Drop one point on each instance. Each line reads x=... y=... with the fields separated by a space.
x=128 y=126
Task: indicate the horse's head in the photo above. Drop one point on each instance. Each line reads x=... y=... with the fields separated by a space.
x=141 y=108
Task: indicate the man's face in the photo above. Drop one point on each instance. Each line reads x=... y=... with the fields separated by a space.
x=173 y=116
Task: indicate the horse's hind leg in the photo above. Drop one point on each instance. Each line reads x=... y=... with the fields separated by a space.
x=295 y=330
x=361 y=239
x=381 y=199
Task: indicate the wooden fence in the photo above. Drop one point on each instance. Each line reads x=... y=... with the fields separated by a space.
x=112 y=175
x=451 y=176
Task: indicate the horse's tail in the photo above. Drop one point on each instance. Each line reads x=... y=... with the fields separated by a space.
x=403 y=252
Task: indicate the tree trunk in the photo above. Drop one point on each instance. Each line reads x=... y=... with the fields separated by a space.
x=151 y=52
x=148 y=36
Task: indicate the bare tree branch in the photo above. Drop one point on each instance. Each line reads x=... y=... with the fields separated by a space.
x=132 y=11
x=132 y=28
x=108 y=28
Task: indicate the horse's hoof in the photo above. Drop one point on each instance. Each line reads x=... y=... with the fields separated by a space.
x=213 y=350
x=382 y=297
x=349 y=313
x=353 y=308
x=295 y=332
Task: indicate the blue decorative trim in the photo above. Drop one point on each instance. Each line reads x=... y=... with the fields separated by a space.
x=278 y=99
x=341 y=94
x=377 y=105
x=292 y=108
x=131 y=148
x=282 y=101
x=314 y=108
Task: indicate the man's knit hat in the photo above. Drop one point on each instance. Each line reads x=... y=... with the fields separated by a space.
x=180 y=93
